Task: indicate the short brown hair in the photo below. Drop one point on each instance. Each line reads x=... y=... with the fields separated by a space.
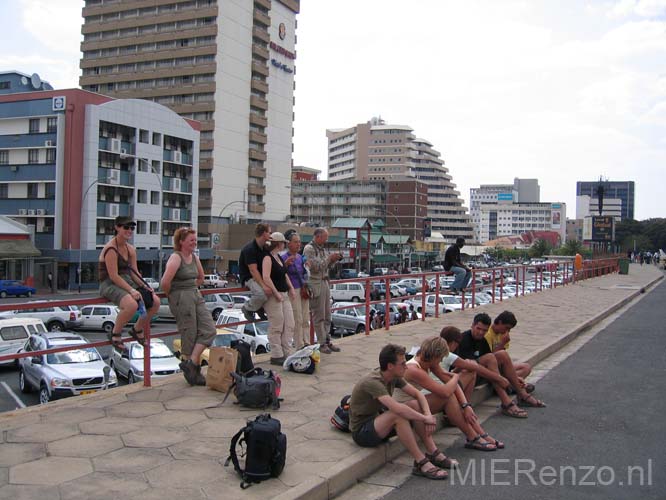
x=451 y=334
x=180 y=235
x=260 y=229
x=389 y=354
x=433 y=348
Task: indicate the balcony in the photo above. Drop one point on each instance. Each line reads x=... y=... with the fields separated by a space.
x=266 y=4
x=261 y=18
x=27 y=173
x=205 y=202
x=176 y=214
x=258 y=120
x=256 y=208
x=257 y=155
x=259 y=68
x=256 y=189
x=116 y=146
x=258 y=102
x=177 y=157
x=260 y=51
x=206 y=183
x=27 y=140
x=177 y=185
x=115 y=177
x=113 y=209
x=261 y=34
x=258 y=137
x=258 y=172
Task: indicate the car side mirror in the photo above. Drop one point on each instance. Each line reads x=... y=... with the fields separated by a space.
x=36 y=360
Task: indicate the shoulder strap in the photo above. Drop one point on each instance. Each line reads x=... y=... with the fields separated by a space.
x=232 y=452
x=132 y=270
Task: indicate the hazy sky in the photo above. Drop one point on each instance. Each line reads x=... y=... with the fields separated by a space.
x=559 y=90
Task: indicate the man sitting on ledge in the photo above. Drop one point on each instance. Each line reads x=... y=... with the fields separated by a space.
x=375 y=416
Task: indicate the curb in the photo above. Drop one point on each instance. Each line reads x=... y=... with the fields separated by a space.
x=349 y=471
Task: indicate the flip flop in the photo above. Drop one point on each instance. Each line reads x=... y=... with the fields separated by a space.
x=434 y=473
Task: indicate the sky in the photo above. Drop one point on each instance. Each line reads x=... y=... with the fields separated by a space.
x=558 y=90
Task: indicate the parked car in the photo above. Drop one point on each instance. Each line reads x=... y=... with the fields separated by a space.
x=445 y=283
x=218 y=302
x=354 y=292
x=214 y=281
x=239 y=301
x=13 y=334
x=164 y=312
x=56 y=318
x=103 y=317
x=380 y=271
x=394 y=291
x=348 y=273
x=128 y=363
x=16 y=288
x=437 y=268
x=447 y=303
x=348 y=321
x=154 y=284
x=222 y=339
x=363 y=275
x=415 y=270
x=255 y=334
x=63 y=374
x=409 y=286
x=394 y=310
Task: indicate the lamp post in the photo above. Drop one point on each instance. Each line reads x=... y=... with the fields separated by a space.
x=83 y=202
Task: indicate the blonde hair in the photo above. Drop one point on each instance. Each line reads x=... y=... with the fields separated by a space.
x=433 y=348
x=180 y=235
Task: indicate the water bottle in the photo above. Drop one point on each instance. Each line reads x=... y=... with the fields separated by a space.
x=141 y=308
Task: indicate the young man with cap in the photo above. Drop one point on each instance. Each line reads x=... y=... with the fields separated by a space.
x=453 y=263
x=249 y=268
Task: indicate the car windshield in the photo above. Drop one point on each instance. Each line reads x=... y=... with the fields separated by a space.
x=87 y=355
x=223 y=340
x=156 y=351
x=262 y=327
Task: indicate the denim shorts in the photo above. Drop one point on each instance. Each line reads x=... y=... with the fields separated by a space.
x=367 y=437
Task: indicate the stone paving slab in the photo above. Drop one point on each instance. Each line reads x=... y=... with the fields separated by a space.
x=171 y=440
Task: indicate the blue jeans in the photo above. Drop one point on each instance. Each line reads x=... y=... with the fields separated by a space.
x=462 y=278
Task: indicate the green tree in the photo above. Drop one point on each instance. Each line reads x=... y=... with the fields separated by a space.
x=540 y=248
x=571 y=247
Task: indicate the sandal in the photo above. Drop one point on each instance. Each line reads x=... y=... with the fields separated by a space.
x=445 y=463
x=529 y=388
x=498 y=444
x=476 y=444
x=116 y=340
x=512 y=410
x=135 y=335
x=531 y=401
x=433 y=473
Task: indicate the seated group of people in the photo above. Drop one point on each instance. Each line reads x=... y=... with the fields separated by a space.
x=402 y=397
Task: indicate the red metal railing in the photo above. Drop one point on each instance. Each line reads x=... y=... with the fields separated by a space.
x=488 y=277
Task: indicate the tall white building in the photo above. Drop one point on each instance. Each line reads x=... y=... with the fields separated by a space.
x=228 y=64
x=506 y=218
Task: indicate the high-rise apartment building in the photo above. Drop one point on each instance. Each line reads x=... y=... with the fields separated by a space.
x=377 y=151
x=521 y=191
x=618 y=199
x=229 y=65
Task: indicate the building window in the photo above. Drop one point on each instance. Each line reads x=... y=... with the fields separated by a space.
x=154 y=227
x=4 y=191
x=143 y=136
x=34 y=126
x=154 y=197
x=50 y=156
x=52 y=125
x=4 y=157
x=33 y=155
x=142 y=196
x=50 y=190
x=33 y=189
x=157 y=139
x=4 y=85
x=141 y=227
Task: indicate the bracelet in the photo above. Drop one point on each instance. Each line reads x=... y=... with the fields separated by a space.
x=465 y=405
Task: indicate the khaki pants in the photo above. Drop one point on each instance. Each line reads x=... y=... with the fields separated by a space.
x=320 y=305
x=301 y=310
x=280 y=325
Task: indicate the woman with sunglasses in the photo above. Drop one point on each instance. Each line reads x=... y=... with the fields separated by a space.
x=181 y=281
x=120 y=282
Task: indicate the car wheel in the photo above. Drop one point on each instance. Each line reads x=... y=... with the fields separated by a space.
x=216 y=314
x=360 y=329
x=23 y=384
x=107 y=327
x=356 y=299
x=29 y=294
x=44 y=396
x=260 y=350
x=55 y=326
x=130 y=377
x=3 y=294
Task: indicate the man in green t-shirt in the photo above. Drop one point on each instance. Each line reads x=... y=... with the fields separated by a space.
x=374 y=416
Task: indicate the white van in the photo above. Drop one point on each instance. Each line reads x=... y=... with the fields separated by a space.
x=13 y=334
x=348 y=292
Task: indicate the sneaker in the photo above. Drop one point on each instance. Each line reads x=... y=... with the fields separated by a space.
x=333 y=348
x=249 y=315
x=189 y=370
x=325 y=348
x=277 y=361
x=262 y=314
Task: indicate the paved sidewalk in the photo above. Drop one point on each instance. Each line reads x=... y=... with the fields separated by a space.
x=170 y=441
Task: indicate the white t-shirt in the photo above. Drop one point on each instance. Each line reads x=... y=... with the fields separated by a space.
x=448 y=361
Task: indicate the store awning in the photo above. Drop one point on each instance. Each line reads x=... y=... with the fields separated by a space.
x=18 y=249
x=385 y=258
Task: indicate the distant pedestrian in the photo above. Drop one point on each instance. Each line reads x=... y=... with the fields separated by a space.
x=412 y=313
x=49 y=279
x=300 y=304
x=319 y=262
x=181 y=281
x=453 y=263
x=278 y=305
x=249 y=267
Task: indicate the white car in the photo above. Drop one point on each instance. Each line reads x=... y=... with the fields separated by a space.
x=154 y=284
x=129 y=362
x=214 y=281
x=348 y=292
x=218 y=302
x=99 y=317
x=56 y=318
x=255 y=334
x=239 y=301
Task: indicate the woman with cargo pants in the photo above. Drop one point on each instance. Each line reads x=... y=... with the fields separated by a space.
x=182 y=277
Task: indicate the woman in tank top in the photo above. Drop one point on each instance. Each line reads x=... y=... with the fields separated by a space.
x=182 y=278
x=119 y=284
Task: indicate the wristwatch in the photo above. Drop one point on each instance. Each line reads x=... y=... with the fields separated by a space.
x=465 y=405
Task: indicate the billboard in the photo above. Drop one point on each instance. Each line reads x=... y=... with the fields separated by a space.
x=556 y=219
x=599 y=228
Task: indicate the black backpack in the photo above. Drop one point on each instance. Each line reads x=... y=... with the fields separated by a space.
x=244 y=349
x=265 y=450
x=340 y=418
x=256 y=389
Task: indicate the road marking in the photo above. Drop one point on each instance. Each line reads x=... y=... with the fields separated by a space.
x=14 y=396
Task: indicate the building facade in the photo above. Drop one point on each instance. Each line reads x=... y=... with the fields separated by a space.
x=619 y=196
x=71 y=161
x=402 y=203
x=506 y=218
x=229 y=65
x=380 y=151
x=522 y=190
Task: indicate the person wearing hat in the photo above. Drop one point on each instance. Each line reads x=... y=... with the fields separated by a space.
x=120 y=282
x=278 y=306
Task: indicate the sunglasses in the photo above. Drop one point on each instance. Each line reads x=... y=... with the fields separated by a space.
x=127 y=227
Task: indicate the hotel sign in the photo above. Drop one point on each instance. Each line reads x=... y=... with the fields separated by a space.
x=599 y=228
